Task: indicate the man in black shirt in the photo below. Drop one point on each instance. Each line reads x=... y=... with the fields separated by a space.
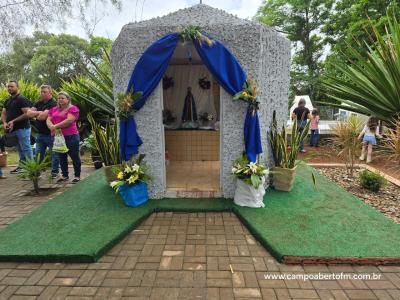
x=302 y=114
x=44 y=140
x=16 y=121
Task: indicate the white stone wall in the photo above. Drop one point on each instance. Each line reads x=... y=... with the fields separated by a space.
x=263 y=54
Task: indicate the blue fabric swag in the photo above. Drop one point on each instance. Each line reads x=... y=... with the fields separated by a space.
x=230 y=75
x=148 y=72
x=151 y=68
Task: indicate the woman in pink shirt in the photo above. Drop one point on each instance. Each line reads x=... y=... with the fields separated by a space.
x=314 y=128
x=64 y=117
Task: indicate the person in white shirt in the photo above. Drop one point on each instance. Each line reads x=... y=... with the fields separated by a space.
x=370 y=132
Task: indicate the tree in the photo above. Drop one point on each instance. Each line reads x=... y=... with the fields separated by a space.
x=50 y=58
x=302 y=22
x=348 y=32
x=352 y=19
x=16 y=15
x=370 y=83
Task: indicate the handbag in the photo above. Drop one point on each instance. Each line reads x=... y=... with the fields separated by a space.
x=10 y=140
x=59 y=144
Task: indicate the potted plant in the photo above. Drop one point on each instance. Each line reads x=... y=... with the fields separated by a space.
x=250 y=182
x=131 y=182
x=284 y=172
x=32 y=168
x=106 y=142
x=90 y=144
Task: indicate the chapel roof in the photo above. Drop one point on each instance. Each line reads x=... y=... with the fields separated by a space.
x=200 y=14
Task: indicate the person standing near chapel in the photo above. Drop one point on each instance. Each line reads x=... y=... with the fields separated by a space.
x=44 y=139
x=302 y=114
x=16 y=122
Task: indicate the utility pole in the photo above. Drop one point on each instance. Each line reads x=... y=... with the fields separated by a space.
x=201 y=1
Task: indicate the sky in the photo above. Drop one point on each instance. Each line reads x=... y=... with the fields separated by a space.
x=112 y=20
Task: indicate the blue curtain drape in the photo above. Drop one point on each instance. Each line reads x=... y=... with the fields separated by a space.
x=151 y=68
x=148 y=72
x=230 y=75
x=252 y=135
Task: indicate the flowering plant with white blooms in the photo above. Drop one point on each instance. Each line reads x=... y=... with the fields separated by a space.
x=129 y=173
x=250 y=172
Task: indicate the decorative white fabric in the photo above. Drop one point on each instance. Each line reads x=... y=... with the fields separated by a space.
x=247 y=195
x=185 y=76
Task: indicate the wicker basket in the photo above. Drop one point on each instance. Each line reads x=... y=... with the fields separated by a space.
x=3 y=160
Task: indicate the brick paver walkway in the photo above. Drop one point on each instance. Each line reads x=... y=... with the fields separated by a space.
x=180 y=256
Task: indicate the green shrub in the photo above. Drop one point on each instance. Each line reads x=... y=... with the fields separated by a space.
x=372 y=181
x=26 y=88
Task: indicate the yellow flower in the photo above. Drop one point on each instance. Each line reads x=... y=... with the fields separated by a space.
x=245 y=94
x=120 y=175
x=133 y=179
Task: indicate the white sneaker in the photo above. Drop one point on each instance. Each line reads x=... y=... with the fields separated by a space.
x=362 y=157
x=369 y=159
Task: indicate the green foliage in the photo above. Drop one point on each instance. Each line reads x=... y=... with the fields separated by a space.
x=391 y=141
x=26 y=88
x=346 y=140
x=370 y=85
x=50 y=58
x=32 y=167
x=283 y=156
x=251 y=173
x=191 y=33
x=125 y=103
x=94 y=90
x=372 y=181
x=350 y=21
x=93 y=93
x=301 y=21
x=130 y=173
x=106 y=141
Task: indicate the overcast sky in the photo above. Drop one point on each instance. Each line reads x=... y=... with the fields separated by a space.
x=112 y=21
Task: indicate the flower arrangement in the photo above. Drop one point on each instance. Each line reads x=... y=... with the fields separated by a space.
x=204 y=83
x=206 y=117
x=130 y=173
x=167 y=82
x=125 y=103
x=248 y=94
x=191 y=33
x=251 y=173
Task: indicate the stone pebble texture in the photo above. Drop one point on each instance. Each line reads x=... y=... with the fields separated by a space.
x=263 y=53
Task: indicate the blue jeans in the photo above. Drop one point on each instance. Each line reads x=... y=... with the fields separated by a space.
x=314 y=137
x=44 y=141
x=24 y=144
x=301 y=125
x=1 y=172
x=72 y=142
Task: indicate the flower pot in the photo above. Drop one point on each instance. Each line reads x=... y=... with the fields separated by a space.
x=283 y=178
x=98 y=164
x=3 y=159
x=134 y=195
x=248 y=195
x=110 y=176
x=95 y=157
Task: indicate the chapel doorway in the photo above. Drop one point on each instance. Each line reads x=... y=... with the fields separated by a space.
x=191 y=117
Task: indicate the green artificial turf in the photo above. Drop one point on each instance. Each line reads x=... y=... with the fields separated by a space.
x=84 y=222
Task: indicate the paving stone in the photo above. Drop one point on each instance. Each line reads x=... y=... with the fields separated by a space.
x=145 y=265
x=247 y=292
x=226 y=293
x=304 y=294
x=30 y=290
x=83 y=291
x=360 y=294
x=48 y=293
